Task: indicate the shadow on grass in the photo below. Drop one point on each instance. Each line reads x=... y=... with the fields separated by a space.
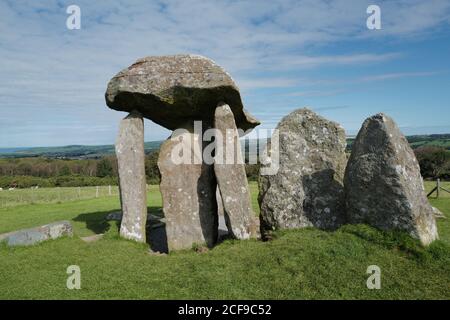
x=156 y=236
x=400 y=241
x=95 y=221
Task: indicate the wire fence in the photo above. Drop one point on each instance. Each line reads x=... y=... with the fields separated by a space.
x=16 y=197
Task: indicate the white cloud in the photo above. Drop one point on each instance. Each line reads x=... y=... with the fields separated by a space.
x=46 y=67
x=391 y=76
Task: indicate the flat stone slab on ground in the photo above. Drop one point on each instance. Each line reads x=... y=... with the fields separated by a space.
x=27 y=237
x=92 y=238
x=117 y=216
x=438 y=214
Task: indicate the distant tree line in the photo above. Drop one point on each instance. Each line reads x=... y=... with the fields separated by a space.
x=44 y=172
x=47 y=172
x=434 y=162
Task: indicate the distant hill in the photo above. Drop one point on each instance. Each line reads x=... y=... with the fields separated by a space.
x=69 y=152
x=432 y=140
x=435 y=140
x=89 y=152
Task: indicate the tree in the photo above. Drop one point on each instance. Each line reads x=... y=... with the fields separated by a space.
x=434 y=162
x=151 y=167
x=104 y=168
x=65 y=171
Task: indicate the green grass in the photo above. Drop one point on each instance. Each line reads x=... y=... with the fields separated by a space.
x=12 y=198
x=297 y=264
x=430 y=185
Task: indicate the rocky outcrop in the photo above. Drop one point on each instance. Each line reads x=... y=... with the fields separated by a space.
x=308 y=188
x=132 y=184
x=383 y=184
x=189 y=193
x=231 y=177
x=171 y=89
x=33 y=236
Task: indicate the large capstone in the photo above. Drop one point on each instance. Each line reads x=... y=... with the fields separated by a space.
x=231 y=177
x=171 y=89
x=131 y=167
x=383 y=184
x=307 y=190
x=188 y=189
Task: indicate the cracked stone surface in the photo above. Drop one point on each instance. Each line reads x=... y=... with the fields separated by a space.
x=132 y=184
x=171 y=89
x=307 y=190
x=383 y=184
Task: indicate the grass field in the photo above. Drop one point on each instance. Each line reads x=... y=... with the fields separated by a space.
x=298 y=264
x=11 y=198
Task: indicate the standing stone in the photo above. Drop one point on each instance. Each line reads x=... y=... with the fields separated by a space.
x=383 y=184
x=231 y=177
x=308 y=188
x=188 y=192
x=131 y=167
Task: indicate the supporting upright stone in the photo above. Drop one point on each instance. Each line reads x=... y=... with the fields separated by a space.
x=383 y=184
x=131 y=167
x=188 y=189
x=231 y=177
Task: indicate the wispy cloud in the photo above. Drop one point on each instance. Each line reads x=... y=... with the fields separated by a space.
x=315 y=93
x=331 y=108
x=49 y=70
x=390 y=76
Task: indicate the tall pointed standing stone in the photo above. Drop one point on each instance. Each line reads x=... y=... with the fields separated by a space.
x=131 y=167
x=383 y=184
x=188 y=189
x=231 y=177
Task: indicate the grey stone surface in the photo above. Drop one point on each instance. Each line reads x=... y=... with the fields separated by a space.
x=383 y=184
x=33 y=236
x=93 y=238
x=220 y=211
x=308 y=188
x=189 y=194
x=117 y=216
x=171 y=89
x=158 y=237
x=231 y=177
x=131 y=167
x=438 y=214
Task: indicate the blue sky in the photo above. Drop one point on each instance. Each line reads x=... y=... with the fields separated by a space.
x=283 y=54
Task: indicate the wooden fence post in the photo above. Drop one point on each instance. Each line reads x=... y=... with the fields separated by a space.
x=438 y=188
